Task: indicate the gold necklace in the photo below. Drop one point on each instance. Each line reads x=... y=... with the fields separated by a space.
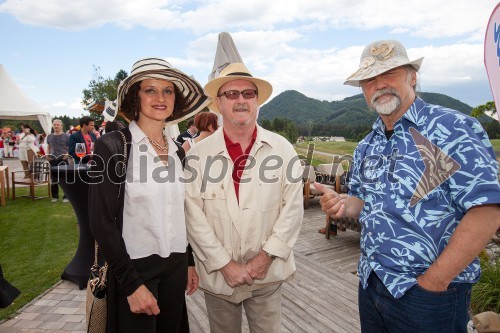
x=158 y=146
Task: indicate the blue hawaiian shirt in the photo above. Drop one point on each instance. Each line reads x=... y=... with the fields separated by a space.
x=417 y=186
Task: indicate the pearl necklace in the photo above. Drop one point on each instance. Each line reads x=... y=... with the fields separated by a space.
x=158 y=146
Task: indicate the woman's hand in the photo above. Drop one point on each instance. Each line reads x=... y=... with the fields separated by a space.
x=193 y=280
x=143 y=301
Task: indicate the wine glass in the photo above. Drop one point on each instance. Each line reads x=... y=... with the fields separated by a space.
x=80 y=151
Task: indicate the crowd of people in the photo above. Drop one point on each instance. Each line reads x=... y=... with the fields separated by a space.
x=423 y=186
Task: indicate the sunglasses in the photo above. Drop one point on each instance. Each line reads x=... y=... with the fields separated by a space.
x=235 y=94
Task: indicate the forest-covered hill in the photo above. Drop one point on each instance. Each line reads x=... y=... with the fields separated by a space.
x=352 y=110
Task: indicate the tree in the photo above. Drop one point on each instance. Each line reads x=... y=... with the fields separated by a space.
x=284 y=127
x=481 y=110
x=101 y=88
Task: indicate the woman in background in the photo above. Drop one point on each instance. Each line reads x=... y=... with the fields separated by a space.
x=206 y=123
x=27 y=148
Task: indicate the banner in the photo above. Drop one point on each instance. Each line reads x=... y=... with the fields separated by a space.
x=109 y=111
x=492 y=55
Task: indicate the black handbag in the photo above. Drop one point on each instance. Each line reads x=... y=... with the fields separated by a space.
x=97 y=305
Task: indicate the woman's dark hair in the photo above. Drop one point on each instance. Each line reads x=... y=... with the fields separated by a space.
x=203 y=120
x=32 y=131
x=131 y=104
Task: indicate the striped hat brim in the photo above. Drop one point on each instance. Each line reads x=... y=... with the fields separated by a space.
x=156 y=68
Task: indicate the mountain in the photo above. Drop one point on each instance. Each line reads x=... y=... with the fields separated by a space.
x=352 y=110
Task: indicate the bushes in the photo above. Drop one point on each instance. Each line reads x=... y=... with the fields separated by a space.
x=486 y=292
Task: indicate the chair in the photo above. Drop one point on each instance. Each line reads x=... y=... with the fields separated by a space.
x=331 y=173
x=39 y=175
x=309 y=177
x=338 y=177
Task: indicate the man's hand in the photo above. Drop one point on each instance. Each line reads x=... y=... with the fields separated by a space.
x=331 y=202
x=428 y=283
x=143 y=301
x=258 y=266
x=236 y=274
x=193 y=280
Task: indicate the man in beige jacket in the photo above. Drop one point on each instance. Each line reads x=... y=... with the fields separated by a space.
x=243 y=208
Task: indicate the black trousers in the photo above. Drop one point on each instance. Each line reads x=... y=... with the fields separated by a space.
x=166 y=278
x=54 y=186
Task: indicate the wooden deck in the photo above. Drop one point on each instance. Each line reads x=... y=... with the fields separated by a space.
x=323 y=297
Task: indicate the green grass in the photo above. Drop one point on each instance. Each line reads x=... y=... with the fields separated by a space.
x=340 y=148
x=496 y=146
x=337 y=148
x=485 y=293
x=37 y=240
x=347 y=148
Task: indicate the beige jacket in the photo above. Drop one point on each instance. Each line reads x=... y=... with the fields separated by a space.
x=268 y=216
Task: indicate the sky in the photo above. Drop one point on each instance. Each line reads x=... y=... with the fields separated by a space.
x=50 y=47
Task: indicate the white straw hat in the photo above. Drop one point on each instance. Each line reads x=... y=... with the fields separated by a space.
x=380 y=57
x=237 y=71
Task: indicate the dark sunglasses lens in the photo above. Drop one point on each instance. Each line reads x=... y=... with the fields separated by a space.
x=232 y=94
x=248 y=93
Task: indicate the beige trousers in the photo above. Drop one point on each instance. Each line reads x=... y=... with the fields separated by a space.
x=263 y=312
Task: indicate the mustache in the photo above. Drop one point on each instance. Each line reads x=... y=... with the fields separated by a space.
x=385 y=91
x=241 y=106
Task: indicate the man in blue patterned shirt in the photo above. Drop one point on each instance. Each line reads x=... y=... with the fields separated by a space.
x=424 y=186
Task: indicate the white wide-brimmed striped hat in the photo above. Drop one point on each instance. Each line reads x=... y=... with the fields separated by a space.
x=156 y=68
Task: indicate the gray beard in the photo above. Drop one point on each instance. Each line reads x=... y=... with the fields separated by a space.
x=388 y=107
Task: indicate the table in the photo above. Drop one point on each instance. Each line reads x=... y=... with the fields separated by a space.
x=74 y=181
x=4 y=180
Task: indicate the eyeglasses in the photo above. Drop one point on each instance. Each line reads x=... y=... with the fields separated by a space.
x=235 y=94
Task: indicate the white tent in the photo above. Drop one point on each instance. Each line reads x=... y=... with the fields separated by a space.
x=14 y=104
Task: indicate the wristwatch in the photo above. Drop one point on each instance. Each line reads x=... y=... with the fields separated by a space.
x=271 y=256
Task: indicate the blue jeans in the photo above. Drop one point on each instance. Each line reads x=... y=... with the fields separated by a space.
x=418 y=310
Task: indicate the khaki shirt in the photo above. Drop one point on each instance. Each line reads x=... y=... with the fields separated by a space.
x=268 y=216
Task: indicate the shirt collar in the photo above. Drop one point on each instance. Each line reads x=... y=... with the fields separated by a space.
x=228 y=141
x=138 y=136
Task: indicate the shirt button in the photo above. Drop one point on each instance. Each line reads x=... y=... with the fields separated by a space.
x=372 y=257
x=370 y=233
x=213 y=195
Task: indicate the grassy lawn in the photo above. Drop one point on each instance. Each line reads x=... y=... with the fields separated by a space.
x=37 y=240
x=496 y=146
x=337 y=148
x=347 y=148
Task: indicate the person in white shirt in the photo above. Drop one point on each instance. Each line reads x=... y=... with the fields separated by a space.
x=27 y=148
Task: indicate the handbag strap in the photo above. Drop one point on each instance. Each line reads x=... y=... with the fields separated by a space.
x=96 y=246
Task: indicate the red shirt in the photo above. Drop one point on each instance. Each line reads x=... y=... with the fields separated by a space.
x=88 y=142
x=239 y=158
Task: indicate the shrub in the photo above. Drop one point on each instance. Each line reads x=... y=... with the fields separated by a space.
x=485 y=293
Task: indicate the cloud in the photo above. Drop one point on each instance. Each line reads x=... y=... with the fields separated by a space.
x=309 y=46
x=426 y=19
x=59 y=104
